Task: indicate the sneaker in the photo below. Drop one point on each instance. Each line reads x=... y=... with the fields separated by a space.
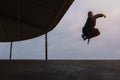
x=84 y=37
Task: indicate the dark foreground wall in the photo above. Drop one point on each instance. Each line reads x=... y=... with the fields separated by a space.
x=59 y=70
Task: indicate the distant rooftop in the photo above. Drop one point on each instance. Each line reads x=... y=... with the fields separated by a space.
x=26 y=19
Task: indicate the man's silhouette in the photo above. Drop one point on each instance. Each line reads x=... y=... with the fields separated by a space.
x=89 y=30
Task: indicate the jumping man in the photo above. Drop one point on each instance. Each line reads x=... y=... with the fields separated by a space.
x=89 y=31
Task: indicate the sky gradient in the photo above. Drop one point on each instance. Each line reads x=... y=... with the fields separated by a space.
x=65 y=42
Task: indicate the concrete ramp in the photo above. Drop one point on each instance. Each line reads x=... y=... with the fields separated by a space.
x=59 y=70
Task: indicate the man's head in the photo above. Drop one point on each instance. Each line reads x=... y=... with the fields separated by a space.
x=90 y=14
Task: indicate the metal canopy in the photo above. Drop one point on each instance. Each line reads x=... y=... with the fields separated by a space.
x=26 y=19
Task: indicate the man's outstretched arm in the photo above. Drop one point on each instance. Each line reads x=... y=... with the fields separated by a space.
x=99 y=15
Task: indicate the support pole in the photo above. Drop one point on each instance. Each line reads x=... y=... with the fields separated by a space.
x=46 y=47
x=11 y=51
x=18 y=8
x=19 y=17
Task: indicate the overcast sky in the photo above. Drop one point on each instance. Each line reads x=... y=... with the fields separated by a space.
x=65 y=42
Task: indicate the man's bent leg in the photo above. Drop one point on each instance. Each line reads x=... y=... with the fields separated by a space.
x=96 y=32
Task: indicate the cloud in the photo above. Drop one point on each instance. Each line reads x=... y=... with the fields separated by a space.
x=65 y=42
x=71 y=45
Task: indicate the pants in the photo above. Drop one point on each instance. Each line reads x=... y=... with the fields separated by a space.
x=90 y=33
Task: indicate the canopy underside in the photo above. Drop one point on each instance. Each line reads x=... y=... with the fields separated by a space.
x=26 y=19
